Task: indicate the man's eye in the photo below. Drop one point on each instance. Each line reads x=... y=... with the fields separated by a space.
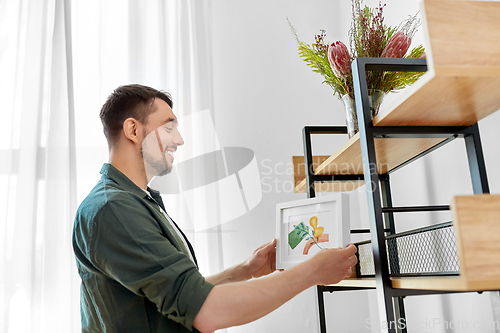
x=169 y=129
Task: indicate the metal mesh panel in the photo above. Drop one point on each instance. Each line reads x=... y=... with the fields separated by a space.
x=426 y=251
x=365 y=260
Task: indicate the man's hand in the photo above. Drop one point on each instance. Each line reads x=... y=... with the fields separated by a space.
x=262 y=261
x=330 y=266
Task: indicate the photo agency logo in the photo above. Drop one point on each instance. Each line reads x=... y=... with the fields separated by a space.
x=438 y=325
x=280 y=177
x=218 y=184
x=276 y=177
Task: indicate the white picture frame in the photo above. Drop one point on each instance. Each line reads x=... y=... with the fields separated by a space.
x=325 y=216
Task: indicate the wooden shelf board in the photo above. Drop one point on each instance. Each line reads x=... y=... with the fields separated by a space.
x=357 y=283
x=443 y=100
x=347 y=160
x=445 y=283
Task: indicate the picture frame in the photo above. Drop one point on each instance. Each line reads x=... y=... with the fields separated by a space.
x=304 y=227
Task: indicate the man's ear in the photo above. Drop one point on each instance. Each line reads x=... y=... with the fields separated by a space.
x=131 y=129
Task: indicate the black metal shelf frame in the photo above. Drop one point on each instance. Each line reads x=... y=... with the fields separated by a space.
x=390 y=301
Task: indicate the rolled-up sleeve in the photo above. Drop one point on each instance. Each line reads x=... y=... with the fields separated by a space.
x=128 y=245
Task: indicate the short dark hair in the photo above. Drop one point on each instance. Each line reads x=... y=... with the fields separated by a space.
x=128 y=101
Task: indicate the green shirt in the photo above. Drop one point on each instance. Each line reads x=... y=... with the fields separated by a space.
x=136 y=272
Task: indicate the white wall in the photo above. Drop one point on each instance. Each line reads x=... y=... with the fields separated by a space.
x=264 y=95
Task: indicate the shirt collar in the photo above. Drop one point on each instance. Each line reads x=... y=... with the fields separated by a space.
x=110 y=171
x=156 y=195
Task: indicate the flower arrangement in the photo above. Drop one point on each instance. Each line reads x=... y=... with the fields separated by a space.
x=368 y=37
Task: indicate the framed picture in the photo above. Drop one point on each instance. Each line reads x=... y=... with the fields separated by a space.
x=306 y=226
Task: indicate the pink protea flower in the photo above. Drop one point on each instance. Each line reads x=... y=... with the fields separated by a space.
x=397 y=46
x=339 y=59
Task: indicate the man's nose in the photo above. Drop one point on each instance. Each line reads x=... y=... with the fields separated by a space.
x=178 y=140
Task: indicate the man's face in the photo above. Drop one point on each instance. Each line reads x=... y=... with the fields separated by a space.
x=161 y=140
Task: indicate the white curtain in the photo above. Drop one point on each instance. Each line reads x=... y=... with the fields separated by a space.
x=59 y=60
x=38 y=169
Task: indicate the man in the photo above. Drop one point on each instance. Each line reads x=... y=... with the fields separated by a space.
x=138 y=270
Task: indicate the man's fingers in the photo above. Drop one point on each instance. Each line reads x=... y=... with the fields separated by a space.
x=261 y=247
x=267 y=246
x=350 y=273
x=270 y=246
x=352 y=261
x=273 y=261
x=350 y=250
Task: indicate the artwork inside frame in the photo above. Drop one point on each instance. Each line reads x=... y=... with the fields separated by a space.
x=306 y=226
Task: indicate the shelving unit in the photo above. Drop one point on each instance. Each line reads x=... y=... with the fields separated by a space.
x=461 y=86
x=390 y=148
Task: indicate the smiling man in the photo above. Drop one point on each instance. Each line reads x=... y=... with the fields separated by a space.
x=139 y=272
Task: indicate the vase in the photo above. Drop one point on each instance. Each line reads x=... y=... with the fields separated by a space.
x=375 y=98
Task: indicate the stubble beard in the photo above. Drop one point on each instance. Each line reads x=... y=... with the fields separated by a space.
x=157 y=167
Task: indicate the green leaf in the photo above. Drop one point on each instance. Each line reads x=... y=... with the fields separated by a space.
x=296 y=236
